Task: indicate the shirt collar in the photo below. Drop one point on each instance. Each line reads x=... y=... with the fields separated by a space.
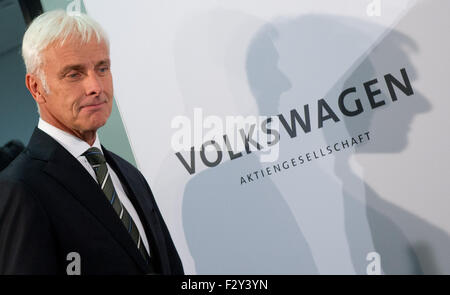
x=74 y=145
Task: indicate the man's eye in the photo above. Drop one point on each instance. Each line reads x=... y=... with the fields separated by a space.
x=73 y=75
x=104 y=69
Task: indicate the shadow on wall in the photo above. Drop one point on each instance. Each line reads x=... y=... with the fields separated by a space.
x=407 y=243
x=323 y=219
x=233 y=229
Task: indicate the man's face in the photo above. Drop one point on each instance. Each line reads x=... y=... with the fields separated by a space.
x=80 y=86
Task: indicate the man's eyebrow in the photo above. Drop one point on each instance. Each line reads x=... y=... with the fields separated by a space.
x=103 y=62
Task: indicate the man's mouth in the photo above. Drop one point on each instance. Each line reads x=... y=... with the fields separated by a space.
x=93 y=106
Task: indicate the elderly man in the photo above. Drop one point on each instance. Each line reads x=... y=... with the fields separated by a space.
x=67 y=204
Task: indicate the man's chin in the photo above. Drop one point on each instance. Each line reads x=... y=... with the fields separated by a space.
x=92 y=125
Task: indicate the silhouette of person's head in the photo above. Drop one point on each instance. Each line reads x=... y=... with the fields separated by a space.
x=323 y=55
x=394 y=117
x=265 y=79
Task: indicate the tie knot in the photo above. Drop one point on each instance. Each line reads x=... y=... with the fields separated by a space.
x=94 y=156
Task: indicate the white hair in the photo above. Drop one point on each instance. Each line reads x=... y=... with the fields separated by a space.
x=55 y=27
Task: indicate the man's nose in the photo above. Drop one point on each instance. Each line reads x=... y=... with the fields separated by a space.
x=92 y=84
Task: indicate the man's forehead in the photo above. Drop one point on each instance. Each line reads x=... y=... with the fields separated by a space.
x=72 y=52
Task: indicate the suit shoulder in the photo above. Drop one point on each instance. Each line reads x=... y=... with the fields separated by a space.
x=16 y=178
x=22 y=169
x=17 y=196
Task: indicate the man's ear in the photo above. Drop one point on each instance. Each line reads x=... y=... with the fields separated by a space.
x=34 y=85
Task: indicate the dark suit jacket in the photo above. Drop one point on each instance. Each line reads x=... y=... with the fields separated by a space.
x=51 y=206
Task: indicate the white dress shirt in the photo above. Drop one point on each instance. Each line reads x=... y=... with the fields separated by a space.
x=76 y=147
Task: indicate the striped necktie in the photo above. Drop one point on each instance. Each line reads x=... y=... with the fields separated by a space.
x=98 y=163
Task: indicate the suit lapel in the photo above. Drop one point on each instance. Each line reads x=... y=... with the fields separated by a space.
x=65 y=169
x=136 y=192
